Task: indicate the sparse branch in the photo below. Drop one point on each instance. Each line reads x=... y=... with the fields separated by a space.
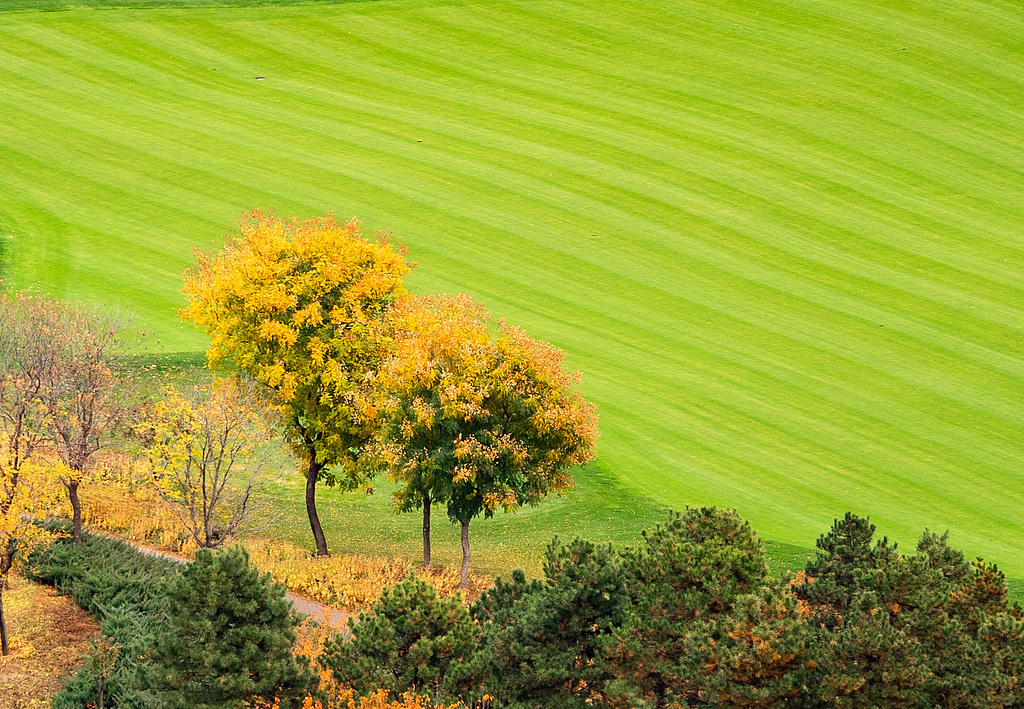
x=87 y=399
x=200 y=441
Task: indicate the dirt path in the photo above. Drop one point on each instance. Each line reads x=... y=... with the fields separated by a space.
x=320 y=612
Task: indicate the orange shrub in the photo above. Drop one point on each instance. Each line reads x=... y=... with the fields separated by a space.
x=345 y=699
x=311 y=636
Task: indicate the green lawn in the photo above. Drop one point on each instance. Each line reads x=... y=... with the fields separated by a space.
x=781 y=239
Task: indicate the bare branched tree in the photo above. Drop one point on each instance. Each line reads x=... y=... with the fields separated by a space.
x=88 y=399
x=29 y=357
x=208 y=448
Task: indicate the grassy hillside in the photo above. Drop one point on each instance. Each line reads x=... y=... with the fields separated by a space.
x=781 y=239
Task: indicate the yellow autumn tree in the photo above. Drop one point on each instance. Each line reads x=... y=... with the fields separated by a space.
x=298 y=306
x=473 y=421
x=208 y=447
x=29 y=363
x=26 y=494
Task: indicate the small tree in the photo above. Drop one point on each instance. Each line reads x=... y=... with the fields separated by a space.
x=88 y=398
x=29 y=357
x=24 y=494
x=208 y=448
x=412 y=642
x=298 y=305
x=691 y=571
x=477 y=422
x=915 y=630
x=546 y=641
x=60 y=385
x=229 y=639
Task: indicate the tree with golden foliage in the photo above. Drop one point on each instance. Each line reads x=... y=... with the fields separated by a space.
x=298 y=305
x=25 y=494
x=29 y=358
x=208 y=447
x=475 y=421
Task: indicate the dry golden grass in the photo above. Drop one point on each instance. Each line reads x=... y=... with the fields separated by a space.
x=351 y=582
x=50 y=637
x=119 y=500
x=137 y=514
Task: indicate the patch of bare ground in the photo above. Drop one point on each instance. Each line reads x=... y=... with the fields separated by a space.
x=50 y=638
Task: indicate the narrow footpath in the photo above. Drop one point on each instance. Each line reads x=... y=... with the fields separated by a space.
x=319 y=612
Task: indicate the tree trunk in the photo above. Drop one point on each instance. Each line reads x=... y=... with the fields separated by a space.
x=76 y=512
x=5 y=648
x=314 y=519
x=464 y=578
x=426 y=531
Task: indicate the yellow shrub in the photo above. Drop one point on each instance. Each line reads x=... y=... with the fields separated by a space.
x=351 y=582
x=136 y=513
x=125 y=505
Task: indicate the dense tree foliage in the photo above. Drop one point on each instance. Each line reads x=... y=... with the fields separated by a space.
x=705 y=622
x=477 y=422
x=547 y=640
x=413 y=641
x=689 y=617
x=228 y=640
x=124 y=590
x=299 y=306
x=920 y=630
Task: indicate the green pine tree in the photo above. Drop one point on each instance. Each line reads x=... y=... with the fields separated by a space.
x=228 y=640
x=413 y=641
x=547 y=640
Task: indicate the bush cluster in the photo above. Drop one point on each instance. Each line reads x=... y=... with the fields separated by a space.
x=122 y=588
x=691 y=617
x=214 y=633
x=688 y=617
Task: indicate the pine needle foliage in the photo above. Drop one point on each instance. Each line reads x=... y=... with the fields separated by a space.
x=228 y=639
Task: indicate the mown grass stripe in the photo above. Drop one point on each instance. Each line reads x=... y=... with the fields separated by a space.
x=788 y=261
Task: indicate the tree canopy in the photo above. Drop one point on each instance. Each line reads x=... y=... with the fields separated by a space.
x=474 y=421
x=228 y=640
x=298 y=305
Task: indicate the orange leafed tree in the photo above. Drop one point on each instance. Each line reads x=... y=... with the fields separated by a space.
x=475 y=421
x=298 y=305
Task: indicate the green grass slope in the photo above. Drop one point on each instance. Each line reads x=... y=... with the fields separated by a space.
x=781 y=239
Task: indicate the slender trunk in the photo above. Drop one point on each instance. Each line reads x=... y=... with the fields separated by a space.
x=5 y=648
x=426 y=530
x=76 y=512
x=314 y=519
x=464 y=578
